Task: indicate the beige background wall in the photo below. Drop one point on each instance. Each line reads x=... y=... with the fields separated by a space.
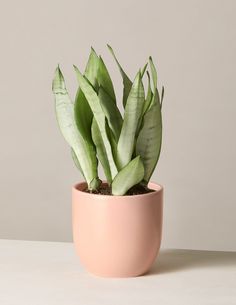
x=194 y=45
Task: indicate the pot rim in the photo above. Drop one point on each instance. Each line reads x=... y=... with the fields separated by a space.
x=152 y=185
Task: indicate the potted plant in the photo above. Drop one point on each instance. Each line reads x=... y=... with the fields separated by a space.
x=117 y=223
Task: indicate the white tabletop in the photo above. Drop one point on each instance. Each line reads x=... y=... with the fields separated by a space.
x=48 y=273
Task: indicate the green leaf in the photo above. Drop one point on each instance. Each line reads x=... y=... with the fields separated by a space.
x=127 y=83
x=130 y=175
x=92 y=67
x=84 y=152
x=154 y=78
x=83 y=113
x=105 y=81
x=111 y=112
x=143 y=70
x=112 y=140
x=162 y=94
x=146 y=105
x=149 y=95
x=133 y=112
x=99 y=115
x=95 y=184
x=153 y=72
x=148 y=144
x=101 y=150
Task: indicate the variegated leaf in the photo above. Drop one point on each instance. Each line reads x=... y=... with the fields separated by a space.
x=129 y=176
x=149 y=140
x=133 y=112
x=104 y=80
x=127 y=84
x=83 y=113
x=99 y=116
x=84 y=152
x=111 y=112
x=101 y=150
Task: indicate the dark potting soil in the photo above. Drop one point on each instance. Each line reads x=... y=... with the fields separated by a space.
x=135 y=190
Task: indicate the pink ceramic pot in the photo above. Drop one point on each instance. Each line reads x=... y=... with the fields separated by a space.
x=117 y=236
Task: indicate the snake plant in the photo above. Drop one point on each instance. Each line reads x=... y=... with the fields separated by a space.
x=127 y=146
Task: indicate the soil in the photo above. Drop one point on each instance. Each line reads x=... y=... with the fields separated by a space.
x=135 y=190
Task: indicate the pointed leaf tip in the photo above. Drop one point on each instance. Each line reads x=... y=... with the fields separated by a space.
x=144 y=69
x=58 y=83
x=58 y=70
x=77 y=70
x=93 y=50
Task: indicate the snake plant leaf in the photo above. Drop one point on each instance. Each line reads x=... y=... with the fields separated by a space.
x=130 y=175
x=146 y=105
x=112 y=140
x=105 y=81
x=111 y=112
x=65 y=116
x=99 y=116
x=162 y=94
x=95 y=183
x=153 y=72
x=127 y=83
x=148 y=144
x=83 y=113
x=101 y=151
x=92 y=67
x=143 y=70
x=149 y=95
x=154 y=78
x=133 y=112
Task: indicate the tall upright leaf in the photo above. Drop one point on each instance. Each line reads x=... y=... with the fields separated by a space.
x=149 y=96
x=84 y=152
x=99 y=116
x=153 y=72
x=146 y=105
x=104 y=80
x=127 y=83
x=83 y=113
x=133 y=112
x=130 y=175
x=148 y=144
x=162 y=95
x=111 y=112
x=154 y=79
x=101 y=150
x=144 y=70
